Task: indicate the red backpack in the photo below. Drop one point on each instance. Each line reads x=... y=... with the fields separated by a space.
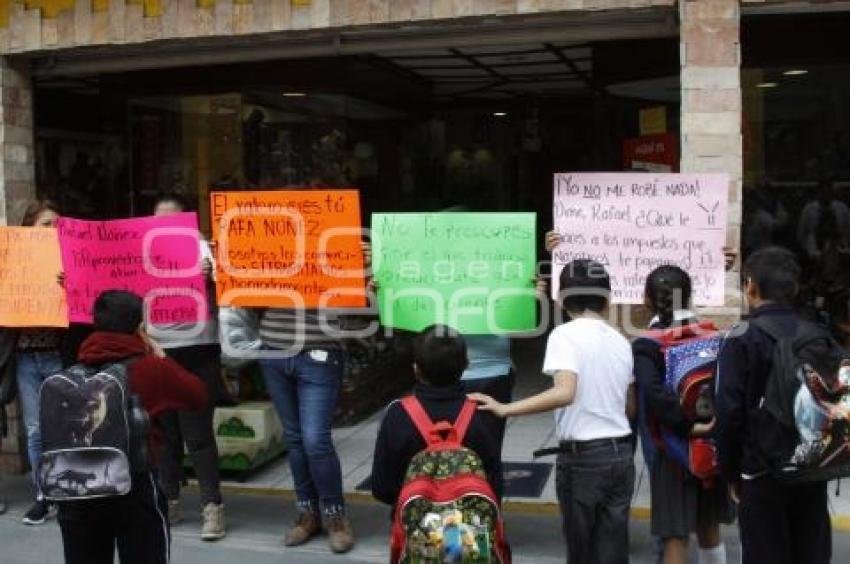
x=447 y=511
x=690 y=357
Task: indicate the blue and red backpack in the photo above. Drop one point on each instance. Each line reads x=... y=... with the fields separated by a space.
x=690 y=360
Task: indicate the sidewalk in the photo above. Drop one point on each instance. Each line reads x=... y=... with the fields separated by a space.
x=256 y=525
x=524 y=435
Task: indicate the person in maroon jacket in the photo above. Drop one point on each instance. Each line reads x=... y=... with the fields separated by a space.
x=137 y=523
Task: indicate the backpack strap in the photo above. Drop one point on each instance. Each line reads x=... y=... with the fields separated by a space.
x=436 y=433
x=770 y=328
x=464 y=418
x=805 y=333
x=420 y=419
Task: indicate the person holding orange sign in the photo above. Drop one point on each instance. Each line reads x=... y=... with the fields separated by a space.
x=37 y=357
x=298 y=255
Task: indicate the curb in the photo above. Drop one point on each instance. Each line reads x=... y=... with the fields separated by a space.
x=840 y=523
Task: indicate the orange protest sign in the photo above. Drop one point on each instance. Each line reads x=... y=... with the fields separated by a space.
x=30 y=294
x=288 y=248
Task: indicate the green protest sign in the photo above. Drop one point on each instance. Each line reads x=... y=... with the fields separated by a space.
x=472 y=271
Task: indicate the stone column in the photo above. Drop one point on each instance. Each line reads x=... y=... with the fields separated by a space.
x=17 y=188
x=711 y=108
x=17 y=158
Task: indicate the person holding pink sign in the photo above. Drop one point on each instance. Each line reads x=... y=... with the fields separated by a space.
x=195 y=346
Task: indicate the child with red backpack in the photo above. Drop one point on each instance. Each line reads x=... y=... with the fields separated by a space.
x=687 y=495
x=437 y=462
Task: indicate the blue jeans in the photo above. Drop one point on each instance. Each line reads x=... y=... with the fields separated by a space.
x=31 y=370
x=305 y=390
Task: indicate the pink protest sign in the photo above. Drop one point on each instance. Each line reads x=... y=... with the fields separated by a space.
x=634 y=222
x=157 y=258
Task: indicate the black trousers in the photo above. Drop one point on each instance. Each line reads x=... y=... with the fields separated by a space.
x=136 y=523
x=595 y=486
x=784 y=524
x=193 y=427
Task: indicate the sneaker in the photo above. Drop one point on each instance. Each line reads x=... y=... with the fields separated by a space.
x=174 y=516
x=306 y=527
x=3 y=506
x=213 y=528
x=37 y=514
x=340 y=534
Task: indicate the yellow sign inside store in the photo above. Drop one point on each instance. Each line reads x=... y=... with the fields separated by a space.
x=653 y=120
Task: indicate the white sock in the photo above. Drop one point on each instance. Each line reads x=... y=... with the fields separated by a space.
x=716 y=555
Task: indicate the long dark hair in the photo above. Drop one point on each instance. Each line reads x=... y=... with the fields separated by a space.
x=668 y=288
x=35 y=208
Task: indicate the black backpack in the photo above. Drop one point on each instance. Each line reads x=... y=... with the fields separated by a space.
x=93 y=432
x=802 y=428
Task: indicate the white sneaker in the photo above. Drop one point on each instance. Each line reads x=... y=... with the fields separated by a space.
x=213 y=528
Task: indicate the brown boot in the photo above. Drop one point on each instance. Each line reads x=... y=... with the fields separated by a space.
x=340 y=534
x=306 y=527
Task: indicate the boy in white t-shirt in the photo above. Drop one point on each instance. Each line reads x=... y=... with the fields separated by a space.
x=593 y=397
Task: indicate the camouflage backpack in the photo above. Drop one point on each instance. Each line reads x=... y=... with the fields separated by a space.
x=447 y=511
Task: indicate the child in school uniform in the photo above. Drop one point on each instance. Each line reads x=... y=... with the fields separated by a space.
x=680 y=503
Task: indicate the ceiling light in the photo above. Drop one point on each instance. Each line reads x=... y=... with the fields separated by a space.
x=500 y=114
x=795 y=72
x=767 y=85
x=294 y=94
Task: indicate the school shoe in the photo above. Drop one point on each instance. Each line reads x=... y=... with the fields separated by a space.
x=174 y=515
x=305 y=528
x=340 y=533
x=213 y=528
x=37 y=514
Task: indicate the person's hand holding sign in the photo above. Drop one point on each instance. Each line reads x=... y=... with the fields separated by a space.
x=731 y=255
x=207 y=269
x=553 y=239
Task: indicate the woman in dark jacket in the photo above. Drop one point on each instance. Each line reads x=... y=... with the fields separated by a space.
x=680 y=503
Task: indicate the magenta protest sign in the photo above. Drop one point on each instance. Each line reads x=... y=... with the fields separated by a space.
x=157 y=258
x=634 y=222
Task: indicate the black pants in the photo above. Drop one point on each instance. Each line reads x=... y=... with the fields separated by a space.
x=595 y=486
x=137 y=523
x=784 y=524
x=193 y=427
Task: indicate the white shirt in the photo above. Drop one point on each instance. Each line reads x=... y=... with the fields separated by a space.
x=602 y=360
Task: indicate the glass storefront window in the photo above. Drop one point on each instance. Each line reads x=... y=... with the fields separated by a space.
x=796 y=128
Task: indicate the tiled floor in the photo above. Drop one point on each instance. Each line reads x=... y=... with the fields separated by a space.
x=523 y=436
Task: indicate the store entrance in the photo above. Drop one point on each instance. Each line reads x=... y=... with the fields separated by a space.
x=480 y=128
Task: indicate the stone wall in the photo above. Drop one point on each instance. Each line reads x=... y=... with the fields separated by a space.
x=29 y=25
x=17 y=166
x=17 y=187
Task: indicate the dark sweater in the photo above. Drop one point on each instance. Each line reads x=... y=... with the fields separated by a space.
x=742 y=370
x=399 y=440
